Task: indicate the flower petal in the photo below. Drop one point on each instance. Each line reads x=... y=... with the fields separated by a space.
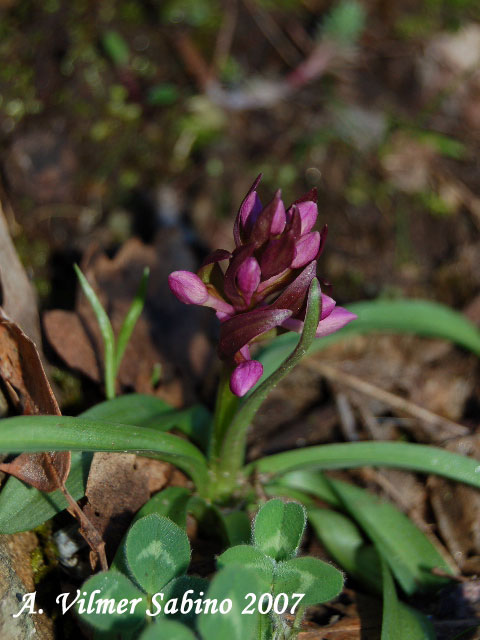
x=294 y=296
x=306 y=249
x=188 y=287
x=308 y=213
x=279 y=218
x=328 y=305
x=337 y=319
x=262 y=228
x=248 y=277
x=248 y=213
x=239 y=330
x=277 y=256
x=245 y=376
x=239 y=256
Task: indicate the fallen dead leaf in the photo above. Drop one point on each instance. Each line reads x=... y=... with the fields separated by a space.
x=118 y=485
x=22 y=372
x=457 y=511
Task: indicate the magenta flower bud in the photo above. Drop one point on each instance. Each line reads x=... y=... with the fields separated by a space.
x=248 y=277
x=308 y=213
x=245 y=376
x=279 y=219
x=188 y=287
x=306 y=249
x=250 y=210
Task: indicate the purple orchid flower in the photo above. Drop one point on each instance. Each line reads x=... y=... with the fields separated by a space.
x=264 y=284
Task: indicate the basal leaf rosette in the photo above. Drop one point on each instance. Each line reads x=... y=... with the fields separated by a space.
x=261 y=286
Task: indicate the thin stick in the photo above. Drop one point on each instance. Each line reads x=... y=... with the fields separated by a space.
x=87 y=529
x=431 y=420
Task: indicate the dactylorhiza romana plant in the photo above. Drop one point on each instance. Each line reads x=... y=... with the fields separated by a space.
x=264 y=287
x=267 y=286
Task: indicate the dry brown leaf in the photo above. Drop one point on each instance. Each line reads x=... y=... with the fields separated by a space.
x=117 y=487
x=17 y=296
x=22 y=372
x=457 y=510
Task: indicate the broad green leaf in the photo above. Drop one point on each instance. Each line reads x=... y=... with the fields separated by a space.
x=409 y=553
x=172 y=503
x=62 y=433
x=130 y=320
x=421 y=317
x=278 y=528
x=23 y=508
x=344 y=542
x=157 y=551
x=232 y=583
x=182 y=591
x=319 y=581
x=400 y=622
x=113 y=590
x=167 y=630
x=245 y=555
x=402 y=455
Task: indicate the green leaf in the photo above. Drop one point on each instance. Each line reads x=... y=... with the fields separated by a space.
x=400 y=622
x=167 y=630
x=237 y=526
x=421 y=317
x=157 y=551
x=106 y=331
x=409 y=553
x=130 y=320
x=402 y=455
x=62 y=433
x=311 y=481
x=319 y=581
x=234 y=443
x=112 y=586
x=137 y=409
x=179 y=589
x=247 y=556
x=142 y=410
x=116 y=48
x=232 y=583
x=172 y=503
x=23 y=508
x=278 y=528
x=345 y=543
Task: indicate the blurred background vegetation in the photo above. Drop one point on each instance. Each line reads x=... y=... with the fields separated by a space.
x=120 y=118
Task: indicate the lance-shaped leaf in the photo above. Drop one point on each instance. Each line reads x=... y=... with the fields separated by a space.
x=63 y=433
x=239 y=330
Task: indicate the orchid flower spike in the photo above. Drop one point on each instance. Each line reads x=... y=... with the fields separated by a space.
x=264 y=282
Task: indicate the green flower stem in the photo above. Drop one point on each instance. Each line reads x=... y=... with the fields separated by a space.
x=232 y=452
x=225 y=407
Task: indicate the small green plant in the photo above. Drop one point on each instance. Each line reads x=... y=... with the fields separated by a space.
x=268 y=287
x=114 y=350
x=255 y=586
